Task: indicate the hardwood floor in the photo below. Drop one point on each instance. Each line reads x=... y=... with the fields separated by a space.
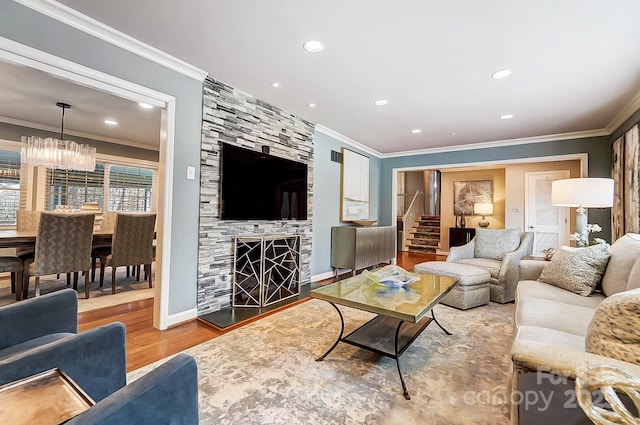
x=145 y=344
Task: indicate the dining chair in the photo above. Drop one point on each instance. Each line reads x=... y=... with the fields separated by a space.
x=63 y=245
x=15 y=266
x=102 y=247
x=25 y=220
x=132 y=245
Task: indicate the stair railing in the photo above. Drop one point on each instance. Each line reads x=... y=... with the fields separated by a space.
x=416 y=209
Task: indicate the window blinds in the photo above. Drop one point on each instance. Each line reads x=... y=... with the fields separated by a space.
x=130 y=189
x=9 y=186
x=70 y=187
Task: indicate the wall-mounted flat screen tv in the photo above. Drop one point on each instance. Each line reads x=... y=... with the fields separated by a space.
x=258 y=186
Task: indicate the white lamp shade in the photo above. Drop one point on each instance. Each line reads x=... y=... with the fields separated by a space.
x=585 y=192
x=483 y=208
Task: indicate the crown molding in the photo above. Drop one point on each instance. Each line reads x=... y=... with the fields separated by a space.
x=347 y=140
x=484 y=145
x=92 y=136
x=624 y=114
x=104 y=32
x=501 y=143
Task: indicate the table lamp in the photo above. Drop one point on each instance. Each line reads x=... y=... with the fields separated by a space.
x=483 y=209
x=582 y=193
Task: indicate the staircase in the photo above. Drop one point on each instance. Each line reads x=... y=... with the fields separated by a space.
x=425 y=234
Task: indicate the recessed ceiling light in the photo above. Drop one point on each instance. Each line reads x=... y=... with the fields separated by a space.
x=381 y=102
x=416 y=131
x=110 y=122
x=313 y=46
x=311 y=105
x=453 y=133
x=275 y=85
x=145 y=105
x=506 y=116
x=499 y=75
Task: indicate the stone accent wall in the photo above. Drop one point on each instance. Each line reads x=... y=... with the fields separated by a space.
x=235 y=117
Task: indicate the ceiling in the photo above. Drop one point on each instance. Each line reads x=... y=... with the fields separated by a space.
x=576 y=64
x=28 y=97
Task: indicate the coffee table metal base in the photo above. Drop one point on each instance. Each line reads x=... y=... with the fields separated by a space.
x=386 y=336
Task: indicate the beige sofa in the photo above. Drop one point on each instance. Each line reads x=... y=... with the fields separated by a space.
x=551 y=323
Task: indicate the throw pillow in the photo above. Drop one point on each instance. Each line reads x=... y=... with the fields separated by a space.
x=614 y=330
x=577 y=270
x=494 y=243
x=624 y=254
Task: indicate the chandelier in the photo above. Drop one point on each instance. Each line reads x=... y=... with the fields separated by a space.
x=58 y=153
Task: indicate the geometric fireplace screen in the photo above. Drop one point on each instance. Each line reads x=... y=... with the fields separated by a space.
x=266 y=269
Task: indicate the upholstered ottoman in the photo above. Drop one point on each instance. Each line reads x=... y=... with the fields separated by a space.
x=472 y=289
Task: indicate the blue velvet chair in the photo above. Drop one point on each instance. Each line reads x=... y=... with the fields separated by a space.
x=42 y=333
x=167 y=395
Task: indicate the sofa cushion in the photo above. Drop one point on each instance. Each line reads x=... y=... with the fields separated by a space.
x=578 y=270
x=528 y=289
x=494 y=243
x=634 y=276
x=624 y=254
x=614 y=330
x=548 y=338
x=569 y=318
x=492 y=266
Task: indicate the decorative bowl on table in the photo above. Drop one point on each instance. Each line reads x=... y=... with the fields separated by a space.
x=392 y=276
x=364 y=222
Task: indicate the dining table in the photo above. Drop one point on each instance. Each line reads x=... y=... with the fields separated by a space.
x=12 y=238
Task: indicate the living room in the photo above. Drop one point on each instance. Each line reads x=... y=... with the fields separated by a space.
x=185 y=285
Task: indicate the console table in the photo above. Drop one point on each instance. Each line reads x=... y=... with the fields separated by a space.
x=266 y=269
x=460 y=235
x=357 y=247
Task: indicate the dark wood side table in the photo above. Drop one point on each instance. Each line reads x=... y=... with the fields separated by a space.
x=460 y=235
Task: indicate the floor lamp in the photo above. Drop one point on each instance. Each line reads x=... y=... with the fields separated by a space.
x=582 y=193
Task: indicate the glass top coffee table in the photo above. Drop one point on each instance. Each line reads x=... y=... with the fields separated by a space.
x=401 y=313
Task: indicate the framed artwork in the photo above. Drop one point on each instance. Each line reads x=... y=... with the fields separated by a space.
x=354 y=186
x=465 y=194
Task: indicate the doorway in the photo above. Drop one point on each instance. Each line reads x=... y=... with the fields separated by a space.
x=19 y=54
x=547 y=222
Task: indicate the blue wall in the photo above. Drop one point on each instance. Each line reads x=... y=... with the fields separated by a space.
x=41 y=32
x=598 y=149
x=326 y=197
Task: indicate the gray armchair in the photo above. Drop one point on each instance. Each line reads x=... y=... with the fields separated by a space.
x=497 y=251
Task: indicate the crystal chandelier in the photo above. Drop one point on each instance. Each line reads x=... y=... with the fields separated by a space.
x=58 y=153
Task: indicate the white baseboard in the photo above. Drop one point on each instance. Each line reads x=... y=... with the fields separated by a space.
x=183 y=316
x=328 y=275
x=321 y=276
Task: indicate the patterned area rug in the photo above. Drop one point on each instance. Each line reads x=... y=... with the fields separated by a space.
x=266 y=373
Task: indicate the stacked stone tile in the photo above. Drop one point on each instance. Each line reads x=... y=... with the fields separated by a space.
x=235 y=117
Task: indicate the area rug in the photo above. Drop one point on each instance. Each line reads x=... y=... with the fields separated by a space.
x=266 y=373
x=127 y=290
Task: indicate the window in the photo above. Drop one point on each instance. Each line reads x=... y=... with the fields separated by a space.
x=70 y=187
x=9 y=186
x=130 y=189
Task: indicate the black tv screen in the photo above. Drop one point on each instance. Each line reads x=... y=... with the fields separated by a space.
x=258 y=186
